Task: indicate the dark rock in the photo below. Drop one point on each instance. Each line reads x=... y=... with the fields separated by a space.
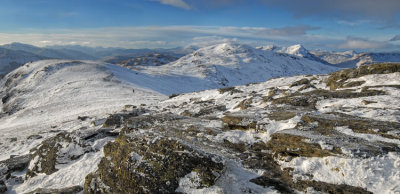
x=231 y=90
x=113 y=121
x=209 y=110
x=14 y=164
x=35 y=137
x=82 y=118
x=142 y=165
x=366 y=102
x=271 y=182
x=240 y=122
x=3 y=187
x=357 y=124
x=300 y=82
x=5 y=98
x=246 y=103
x=338 y=79
x=49 y=153
x=293 y=146
x=68 y=190
x=173 y=95
x=309 y=99
x=18 y=163
x=281 y=115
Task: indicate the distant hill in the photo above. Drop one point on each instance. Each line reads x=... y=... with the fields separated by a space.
x=12 y=59
x=61 y=53
x=351 y=59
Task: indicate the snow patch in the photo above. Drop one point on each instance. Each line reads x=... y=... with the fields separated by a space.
x=376 y=174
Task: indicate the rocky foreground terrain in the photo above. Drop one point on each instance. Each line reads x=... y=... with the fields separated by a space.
x=336 y=133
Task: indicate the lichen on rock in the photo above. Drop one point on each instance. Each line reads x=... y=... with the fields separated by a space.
x=55 y=151
x=150 y=164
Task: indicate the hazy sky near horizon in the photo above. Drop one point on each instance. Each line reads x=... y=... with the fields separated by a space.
x=325 y=24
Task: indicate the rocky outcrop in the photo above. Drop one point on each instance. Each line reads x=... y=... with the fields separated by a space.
x=10 y=166
x=150 y=164
x=68 y=190
x=338 y=79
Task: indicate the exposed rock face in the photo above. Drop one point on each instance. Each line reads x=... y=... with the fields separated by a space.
x=56 y=151
x=150 y=164
x=9 y=166
x=339 y=78
x=3 y=187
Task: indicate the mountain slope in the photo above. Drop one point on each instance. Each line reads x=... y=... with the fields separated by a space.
x=370 y=58
x=232 y=64
x=42 y=95
x=340 y=59
x=336 y=133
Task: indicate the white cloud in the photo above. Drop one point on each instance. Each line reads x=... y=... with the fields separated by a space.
x=202 y=41
x=353 y=23
x=360 y=43
x=175 y=3
x=174 y=36
x=152 y=36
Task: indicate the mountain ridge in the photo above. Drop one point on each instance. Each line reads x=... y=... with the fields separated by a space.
x=230 y=64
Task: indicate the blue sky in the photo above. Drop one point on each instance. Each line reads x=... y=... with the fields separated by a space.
x=317 y=24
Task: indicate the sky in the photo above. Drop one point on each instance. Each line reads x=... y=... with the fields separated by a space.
x=361 y=25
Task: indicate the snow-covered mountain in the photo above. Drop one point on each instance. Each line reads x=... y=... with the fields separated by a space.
x=370 y=58
x=349 y=59
x=296 y=50
x=230 y=64
x=346 y=59
x=73 y=126
x=10 y=59
x=336 y=58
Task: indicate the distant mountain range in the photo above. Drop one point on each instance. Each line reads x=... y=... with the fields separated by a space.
x=52 y=53
x=11 y=59
x=16 y=54
x=350 y=59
